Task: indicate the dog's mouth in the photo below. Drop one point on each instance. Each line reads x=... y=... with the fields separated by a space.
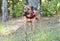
x=26 y=13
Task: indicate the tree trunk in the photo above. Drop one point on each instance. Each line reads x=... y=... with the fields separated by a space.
x=35 y=4
x=4 y=10
x=0 y=5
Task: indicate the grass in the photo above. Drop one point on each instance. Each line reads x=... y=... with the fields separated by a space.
x=11 y=38
x=7 y=34
x=44 y=35
x=4 y=30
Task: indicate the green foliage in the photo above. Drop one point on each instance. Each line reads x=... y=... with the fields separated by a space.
x=58 y=8
x=16 y=8
x=49 y=8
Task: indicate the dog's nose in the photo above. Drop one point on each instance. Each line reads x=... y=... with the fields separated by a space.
x=26 y=12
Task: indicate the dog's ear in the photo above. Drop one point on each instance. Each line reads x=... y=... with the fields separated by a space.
x=32 y=8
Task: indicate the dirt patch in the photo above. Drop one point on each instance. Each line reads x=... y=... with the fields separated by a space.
x=16 y=23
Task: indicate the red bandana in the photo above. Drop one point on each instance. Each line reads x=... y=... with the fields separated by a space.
x=31 y=17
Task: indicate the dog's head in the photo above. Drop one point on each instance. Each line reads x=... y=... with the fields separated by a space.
x=28 y=9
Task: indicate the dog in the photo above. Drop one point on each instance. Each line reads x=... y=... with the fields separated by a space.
x=30 y=15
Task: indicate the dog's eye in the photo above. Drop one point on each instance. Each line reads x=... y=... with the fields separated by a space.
x=24 y=9
x=28 y=9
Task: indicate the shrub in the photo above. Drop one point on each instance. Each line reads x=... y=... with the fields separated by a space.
x=58 y=8
x=50 y=8
x=19 y=9
x=15 y=8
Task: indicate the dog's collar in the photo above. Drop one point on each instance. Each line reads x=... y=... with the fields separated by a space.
x=31 y=17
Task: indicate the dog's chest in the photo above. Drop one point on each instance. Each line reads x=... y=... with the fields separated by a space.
x=29 y=20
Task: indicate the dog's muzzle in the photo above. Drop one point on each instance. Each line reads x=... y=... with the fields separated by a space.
x=26 y=12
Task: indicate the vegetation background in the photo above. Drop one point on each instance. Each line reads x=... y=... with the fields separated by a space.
x=49 y=31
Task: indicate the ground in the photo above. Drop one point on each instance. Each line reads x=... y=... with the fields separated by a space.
x=48 y=24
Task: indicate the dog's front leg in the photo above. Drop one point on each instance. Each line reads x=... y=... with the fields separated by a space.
x=25 y=27
x=33 y=24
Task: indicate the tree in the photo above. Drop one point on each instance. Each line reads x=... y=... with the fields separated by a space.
x=34 y=3
x=4 y=10
x=0 y=5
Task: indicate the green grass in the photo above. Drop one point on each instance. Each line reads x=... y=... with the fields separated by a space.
x=7 y=34
x=45 y=33
x=11 y=38
x=40 y=35
x=5 y=30
x=44 y=36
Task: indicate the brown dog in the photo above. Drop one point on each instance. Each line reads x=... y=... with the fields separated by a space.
x=30 y=15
